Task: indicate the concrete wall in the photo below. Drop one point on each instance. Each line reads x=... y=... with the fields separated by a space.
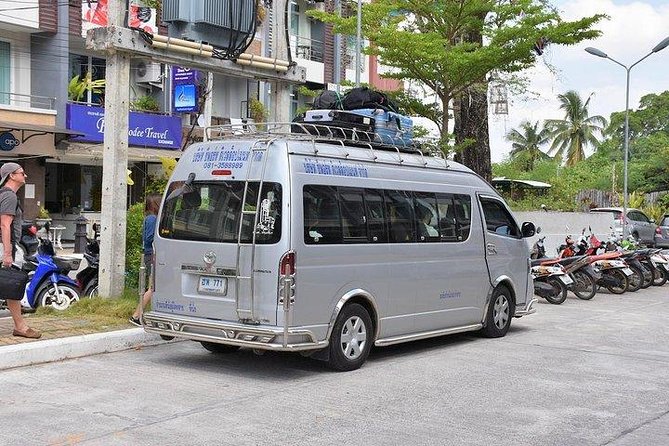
x=557 y=225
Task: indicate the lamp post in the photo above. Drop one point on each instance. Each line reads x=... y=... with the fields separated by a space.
x=595 y=52
x=357 y=45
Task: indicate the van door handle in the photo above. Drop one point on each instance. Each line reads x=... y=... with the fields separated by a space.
x=492 y=249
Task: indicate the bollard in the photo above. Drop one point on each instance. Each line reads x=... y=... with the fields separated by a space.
x=80 y=234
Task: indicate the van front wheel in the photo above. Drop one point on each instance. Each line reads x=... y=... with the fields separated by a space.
x=352 y=338
x=215 y=347
x=500 y=312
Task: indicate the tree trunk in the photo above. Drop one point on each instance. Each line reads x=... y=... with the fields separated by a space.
x=471 y=122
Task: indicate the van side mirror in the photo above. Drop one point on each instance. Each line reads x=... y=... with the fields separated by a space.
x=528 y=229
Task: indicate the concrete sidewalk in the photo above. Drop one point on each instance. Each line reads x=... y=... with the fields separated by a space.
x=66 y=339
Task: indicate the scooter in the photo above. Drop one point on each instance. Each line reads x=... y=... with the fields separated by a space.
x=27 y=244
x=550 y=282
x=49 y=284
x=87 y=278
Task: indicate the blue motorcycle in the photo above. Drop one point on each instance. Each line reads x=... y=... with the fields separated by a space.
x=49 y=283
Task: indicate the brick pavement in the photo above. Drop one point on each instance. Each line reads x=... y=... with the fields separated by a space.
x=53 y=327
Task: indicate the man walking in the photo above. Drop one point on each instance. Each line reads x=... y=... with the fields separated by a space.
x=12 y=178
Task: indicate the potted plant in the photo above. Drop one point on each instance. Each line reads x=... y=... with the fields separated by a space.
x=43 y=217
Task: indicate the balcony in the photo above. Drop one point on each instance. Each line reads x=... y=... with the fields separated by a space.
x=308 y=53
x=27 y=109
x=20 y=16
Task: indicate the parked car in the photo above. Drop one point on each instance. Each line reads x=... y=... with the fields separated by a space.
x=662 y=233
x=638 y=224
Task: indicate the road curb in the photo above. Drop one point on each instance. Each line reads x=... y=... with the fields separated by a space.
x=51 y=350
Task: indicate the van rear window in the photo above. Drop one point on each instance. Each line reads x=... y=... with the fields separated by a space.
x=212 y=211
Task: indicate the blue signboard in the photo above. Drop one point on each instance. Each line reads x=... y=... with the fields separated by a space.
x=8 y=142
x=144 y=129
x=184 y=89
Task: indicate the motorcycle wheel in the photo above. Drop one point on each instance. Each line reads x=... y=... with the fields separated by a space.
x=648 y=276
x=67 y=294
x=585 y=286
x=660 y=278
x=560 y=291
x=618 y=274
x=635 y=281
x=91 y=289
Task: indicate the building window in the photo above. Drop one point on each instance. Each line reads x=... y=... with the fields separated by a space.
x=81 y=66
x=5 y=72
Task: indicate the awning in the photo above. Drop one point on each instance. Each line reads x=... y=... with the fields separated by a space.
x=59 y=133
x=93 y=152
x=530 y=184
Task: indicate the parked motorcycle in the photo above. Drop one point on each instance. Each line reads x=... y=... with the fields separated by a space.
x=87 y=278
x=49 y=284
x=550 y=282
x=27 y=244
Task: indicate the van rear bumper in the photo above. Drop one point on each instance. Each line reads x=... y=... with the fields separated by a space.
x=263 y=337
x=528 y=309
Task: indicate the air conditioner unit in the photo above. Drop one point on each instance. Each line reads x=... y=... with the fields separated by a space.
x=148 y=72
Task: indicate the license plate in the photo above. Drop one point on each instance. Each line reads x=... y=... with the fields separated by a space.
x=212 y=285
x=566 y=280
x=628 y=271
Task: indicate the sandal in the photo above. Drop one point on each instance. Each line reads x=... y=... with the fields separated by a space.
x=29 y=333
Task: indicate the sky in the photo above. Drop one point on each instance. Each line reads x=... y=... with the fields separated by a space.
x=633 y=29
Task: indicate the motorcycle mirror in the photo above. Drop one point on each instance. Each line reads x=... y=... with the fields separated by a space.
x=539 y=230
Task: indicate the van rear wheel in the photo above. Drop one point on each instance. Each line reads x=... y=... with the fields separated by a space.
x=215 y=347
x=500 y=312
x=352 y=338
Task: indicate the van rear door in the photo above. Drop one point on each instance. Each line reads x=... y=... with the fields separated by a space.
x=206 y=265
x=506 y=251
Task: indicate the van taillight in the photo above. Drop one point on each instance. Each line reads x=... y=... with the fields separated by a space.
x=287 y=264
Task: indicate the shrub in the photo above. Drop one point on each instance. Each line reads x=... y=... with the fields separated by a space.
x=133 y=252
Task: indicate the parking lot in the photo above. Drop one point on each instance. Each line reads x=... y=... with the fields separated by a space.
x=581 y=373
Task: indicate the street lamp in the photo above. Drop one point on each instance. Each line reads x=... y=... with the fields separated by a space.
x=595 y=52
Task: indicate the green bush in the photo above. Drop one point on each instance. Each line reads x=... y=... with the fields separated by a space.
x=133 y=252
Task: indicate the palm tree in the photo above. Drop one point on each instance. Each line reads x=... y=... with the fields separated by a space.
x=526 y=143
x=576 y=131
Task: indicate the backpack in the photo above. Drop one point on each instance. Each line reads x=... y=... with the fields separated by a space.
x=363 y=97
x=328 y=100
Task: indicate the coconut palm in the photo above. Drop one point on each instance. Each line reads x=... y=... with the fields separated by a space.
x=576 y=131
x=526 y=143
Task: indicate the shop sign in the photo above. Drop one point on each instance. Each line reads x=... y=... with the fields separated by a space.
x=94 y=15
x=144 y=129
x=184 y=85
x=8 y=142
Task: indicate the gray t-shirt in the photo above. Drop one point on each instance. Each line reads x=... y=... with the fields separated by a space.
x=9 y=206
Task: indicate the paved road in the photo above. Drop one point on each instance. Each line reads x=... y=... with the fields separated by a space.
x=582 y=373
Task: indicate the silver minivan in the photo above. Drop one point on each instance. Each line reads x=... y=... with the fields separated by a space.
x=638 y=224
x=279 y=241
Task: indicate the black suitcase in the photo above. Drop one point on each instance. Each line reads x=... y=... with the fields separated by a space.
x=12 y=283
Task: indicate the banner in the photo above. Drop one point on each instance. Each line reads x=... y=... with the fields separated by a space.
x=94 y=15
x=184 y=89
x=144 y=129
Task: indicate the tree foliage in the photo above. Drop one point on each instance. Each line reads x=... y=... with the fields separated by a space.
x=426 y=40
x=526 y=143
x=576 y=131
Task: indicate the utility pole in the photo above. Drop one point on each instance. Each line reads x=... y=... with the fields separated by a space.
x=208 y=104
x=114 y=164
x=280 y=97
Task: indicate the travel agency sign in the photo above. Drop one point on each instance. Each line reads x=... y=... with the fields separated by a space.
x=144 y=129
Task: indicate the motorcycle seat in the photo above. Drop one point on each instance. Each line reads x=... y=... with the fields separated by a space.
x=544 y=261
x=570 y=260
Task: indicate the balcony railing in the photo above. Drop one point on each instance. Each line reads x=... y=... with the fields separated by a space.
x=27 y=100
x=305 y=48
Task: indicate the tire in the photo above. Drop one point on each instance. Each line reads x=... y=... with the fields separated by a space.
x=659 y=278
x=91 y=290
x=648 y=278
x=560 y=291
x=352 y=338
x=618 y=274
x=500 y=313
x=585 y=286
x=214 y=347
x=635 y=281
x=47 y=297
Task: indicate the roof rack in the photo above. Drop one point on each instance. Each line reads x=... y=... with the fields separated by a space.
x=314 y=133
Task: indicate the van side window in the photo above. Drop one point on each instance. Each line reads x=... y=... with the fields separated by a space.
x=376 y=216
x=427 y=217
x=353 y=221
x=447 y=223
x=321 y=215
x=498 y=219
x=463 y=215
x=401 y=216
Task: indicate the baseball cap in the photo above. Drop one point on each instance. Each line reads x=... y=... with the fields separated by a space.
x=6 y=169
